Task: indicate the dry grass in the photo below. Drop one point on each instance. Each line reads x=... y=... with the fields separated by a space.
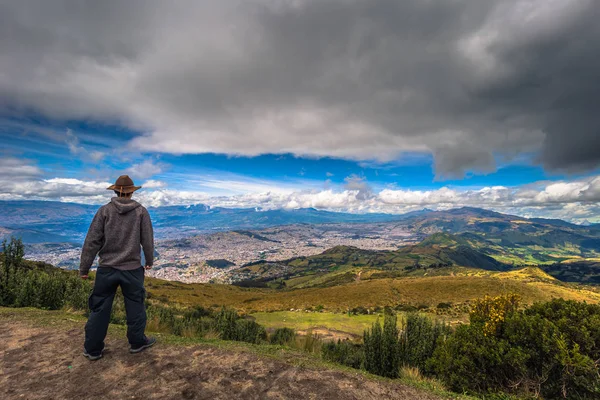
x=308 y=343
x=212 y=335
x=428 y=291
x=413 y=376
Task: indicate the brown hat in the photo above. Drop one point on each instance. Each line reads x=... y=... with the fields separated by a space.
x=124 y=185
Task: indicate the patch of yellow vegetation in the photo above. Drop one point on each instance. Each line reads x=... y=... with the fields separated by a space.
x=531 y=286
x=579 y=259
x=473 y=220
x=527 y=274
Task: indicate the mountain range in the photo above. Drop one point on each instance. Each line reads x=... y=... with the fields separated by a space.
x=57 y=222
x=49 y=221
x=465 y=237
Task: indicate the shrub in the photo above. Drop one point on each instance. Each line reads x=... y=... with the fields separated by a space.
x=12 y=259
x=373 y=348
x=472 y=361
x=552 y=367
x=25 y=285
x=406 y=308
x=283 y=336
x=231 y=327
x=343 y=352
x=359 y=310
x=250 y=331
x=178 y=322
x=199 y=312
x=225 y=324
x=534 y=352
x=491 y=312
x=578 y=322
x=418 y=340
x=381 y=348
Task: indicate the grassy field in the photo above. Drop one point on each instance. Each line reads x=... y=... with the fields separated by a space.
x=303 y=321
x=426 y=291
x=353 y=325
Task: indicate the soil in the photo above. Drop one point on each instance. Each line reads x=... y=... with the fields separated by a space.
x=47 y=363
x=327 y=334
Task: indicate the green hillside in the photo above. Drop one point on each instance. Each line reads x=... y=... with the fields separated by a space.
x=459 y=238
x=441 y=254
x=510 y=239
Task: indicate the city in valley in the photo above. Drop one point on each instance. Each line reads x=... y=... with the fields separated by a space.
x=214 y=257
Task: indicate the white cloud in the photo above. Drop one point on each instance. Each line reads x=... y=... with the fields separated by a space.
x=145 y=169
x=153 y=184
x=575 y=201
x=16 y=167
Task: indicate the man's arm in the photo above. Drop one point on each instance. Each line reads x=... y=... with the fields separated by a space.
x=147 y=239
x=93 y=243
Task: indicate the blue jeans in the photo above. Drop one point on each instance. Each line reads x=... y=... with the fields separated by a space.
x=100 y=302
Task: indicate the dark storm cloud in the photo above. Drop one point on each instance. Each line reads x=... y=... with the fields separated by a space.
x=467 y=81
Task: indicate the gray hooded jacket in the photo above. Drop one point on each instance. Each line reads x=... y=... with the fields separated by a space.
x=115 y=235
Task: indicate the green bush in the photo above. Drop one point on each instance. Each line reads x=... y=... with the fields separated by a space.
x=23 y=284
x=250 y=331
x=418 y=340
x=405 y=308
x=381 y=348
x=470 y=361
x=359 y=310
x=12 y=260
x=578 y=322
x=344 y=352
x=178 y=322
x=545 y=351
x=230 y=327
x=225 y=324
x=282 y=336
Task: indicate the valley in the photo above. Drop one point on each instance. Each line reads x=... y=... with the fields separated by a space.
x=306 y=248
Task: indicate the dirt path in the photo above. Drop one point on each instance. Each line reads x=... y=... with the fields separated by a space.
x=46 y=363
x=357 y=279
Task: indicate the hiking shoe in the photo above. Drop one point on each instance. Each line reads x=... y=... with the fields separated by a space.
x=92 y=357
x=149 y=343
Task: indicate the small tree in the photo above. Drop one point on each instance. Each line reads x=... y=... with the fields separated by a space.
x=389 y=346
x=381 y=348
x=418 y=340
x=225 y=324
x=12 y=259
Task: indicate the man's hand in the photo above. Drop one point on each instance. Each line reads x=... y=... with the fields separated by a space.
x=147 y=267
x=84 y=277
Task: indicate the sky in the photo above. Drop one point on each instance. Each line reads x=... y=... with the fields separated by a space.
x=343 y=105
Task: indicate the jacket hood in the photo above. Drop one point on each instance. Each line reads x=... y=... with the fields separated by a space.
x=123 y=206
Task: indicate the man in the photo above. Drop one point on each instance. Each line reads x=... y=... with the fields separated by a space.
x=117 y=231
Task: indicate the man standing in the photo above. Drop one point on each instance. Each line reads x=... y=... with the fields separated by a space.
x=117 y=231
